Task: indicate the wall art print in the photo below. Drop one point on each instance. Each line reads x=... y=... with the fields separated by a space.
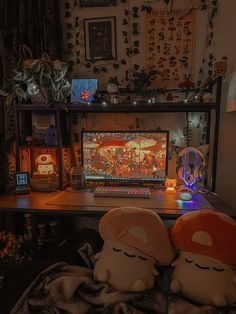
x=170 y=46
x=100 y=38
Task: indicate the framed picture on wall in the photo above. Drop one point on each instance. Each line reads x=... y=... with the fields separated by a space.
x=97 y=3
x=100 y=38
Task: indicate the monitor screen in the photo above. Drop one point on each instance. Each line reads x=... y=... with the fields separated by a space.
x=83 y=90
x=125 y=155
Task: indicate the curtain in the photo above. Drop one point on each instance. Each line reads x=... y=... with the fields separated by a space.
x=35 y=23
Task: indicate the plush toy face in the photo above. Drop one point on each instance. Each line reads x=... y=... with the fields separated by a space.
x=207 y=275
x=204 y=279
x=124 y=268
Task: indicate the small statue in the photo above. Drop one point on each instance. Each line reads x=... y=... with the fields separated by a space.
x=50 y=137
x=112 y=89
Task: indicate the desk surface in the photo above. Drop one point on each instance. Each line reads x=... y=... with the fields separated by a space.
x=36 y=202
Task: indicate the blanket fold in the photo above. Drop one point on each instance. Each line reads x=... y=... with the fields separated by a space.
x=68 y=289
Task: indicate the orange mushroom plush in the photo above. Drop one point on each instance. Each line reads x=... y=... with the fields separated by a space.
x=135 y=242
x=205 y=271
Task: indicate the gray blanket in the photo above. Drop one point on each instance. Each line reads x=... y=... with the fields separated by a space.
x=63 y=288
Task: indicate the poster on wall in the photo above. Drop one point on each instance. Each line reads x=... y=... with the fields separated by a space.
x=170 y=46
x=100 y=38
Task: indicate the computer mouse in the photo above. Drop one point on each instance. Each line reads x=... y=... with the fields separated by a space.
x=185 y=197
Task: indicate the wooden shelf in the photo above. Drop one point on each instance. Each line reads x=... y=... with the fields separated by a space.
x=43 y=107
x=126 y=107
x=142 y=107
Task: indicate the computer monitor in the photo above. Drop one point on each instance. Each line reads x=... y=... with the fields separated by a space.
x=83 y=90
x=131 y=156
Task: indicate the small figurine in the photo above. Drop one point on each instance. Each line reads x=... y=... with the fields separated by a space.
x=50 y=137
x=29 y=140
x=112 y=88
x=135 y=241
x=220 y=67
x=205 y=269
x=187 y=84
x=170 y=185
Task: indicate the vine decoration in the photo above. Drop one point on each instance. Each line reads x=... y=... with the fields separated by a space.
x=207 y=61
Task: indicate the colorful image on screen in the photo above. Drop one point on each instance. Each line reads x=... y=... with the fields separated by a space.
x=83 y=90
x=125 y=155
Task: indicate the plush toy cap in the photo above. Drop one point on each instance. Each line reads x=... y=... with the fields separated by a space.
x=207 y=233
x=139 y=228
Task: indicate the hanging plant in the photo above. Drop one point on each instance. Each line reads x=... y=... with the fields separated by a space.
x=142 y=80
x=207 y=64
x=187 y=134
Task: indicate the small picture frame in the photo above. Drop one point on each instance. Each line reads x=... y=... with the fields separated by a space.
x=100 y=38
x=97 y=3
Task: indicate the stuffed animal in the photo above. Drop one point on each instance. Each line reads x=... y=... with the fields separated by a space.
x=205 y=270
x=135 y=241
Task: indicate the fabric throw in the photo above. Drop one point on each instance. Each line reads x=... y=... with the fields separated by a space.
x=68 y=289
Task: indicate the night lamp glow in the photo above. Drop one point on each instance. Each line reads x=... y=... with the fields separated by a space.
x=170 y=185
x=186 y=197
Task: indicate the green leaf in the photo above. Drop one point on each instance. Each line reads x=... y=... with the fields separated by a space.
x=9 y=99
x=20 y=92
x=66 y=90
x=18 y=76
x=3 y=93
x=30 y=78
x=35 y=66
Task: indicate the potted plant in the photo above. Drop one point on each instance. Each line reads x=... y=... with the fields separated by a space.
x=39 y=77
x=142 y=80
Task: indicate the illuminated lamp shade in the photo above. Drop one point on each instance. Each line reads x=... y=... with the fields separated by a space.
x=45 y=164
x=231 y=102
x=191 y=162
x=170 y=185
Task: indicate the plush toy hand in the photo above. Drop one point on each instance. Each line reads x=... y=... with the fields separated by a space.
x=176 y=286
x=139 y=286
x=219 y=300
x=103 y=275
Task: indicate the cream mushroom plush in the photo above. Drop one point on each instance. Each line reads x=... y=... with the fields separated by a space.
x=135 y=241
x=205 y=271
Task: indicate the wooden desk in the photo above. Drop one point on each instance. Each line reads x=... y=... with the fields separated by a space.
x=35 y=203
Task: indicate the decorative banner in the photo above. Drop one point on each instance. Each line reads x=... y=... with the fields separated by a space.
x=170 y=46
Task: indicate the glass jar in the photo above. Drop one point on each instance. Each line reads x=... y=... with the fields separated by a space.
x=77 y=178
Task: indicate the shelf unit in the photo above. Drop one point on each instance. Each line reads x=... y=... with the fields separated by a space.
x=62 y=131
x=65 y=129
x=212 y=85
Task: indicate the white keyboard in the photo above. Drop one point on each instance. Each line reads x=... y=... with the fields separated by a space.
x=119 y=191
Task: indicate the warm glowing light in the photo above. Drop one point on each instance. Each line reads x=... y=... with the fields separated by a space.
x=170 y=185
x=45 y=164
